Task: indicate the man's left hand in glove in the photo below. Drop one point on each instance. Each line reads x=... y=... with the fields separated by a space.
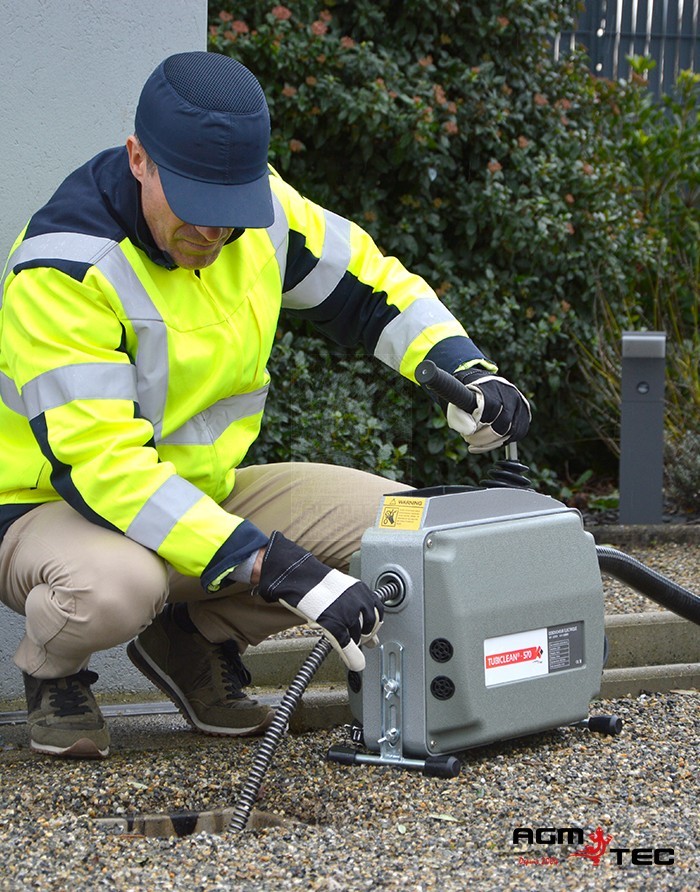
x=346 y=609
x=502 y=413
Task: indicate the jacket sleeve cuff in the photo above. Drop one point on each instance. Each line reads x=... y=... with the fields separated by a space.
x=458 y=353
x=243 y=542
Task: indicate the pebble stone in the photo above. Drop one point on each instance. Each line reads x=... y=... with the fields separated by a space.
x=369 y=827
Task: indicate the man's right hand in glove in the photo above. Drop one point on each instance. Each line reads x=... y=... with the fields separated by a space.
x=502 y=414
x=348 y=611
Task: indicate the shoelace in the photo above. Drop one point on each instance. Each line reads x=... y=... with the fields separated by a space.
x=73 y=698
x=235 y=674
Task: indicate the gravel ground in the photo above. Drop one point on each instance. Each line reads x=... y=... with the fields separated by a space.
x=363 y=828
x=368 y=828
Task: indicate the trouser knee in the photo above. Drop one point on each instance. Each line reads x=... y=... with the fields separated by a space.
x=125 y=605
x=66 y=624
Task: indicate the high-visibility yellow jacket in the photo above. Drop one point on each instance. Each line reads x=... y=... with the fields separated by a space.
x=132 y=388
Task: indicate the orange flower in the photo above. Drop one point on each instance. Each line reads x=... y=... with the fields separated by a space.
x=425 y=61
x=570 y=228
x=569 y=198
x=289 y=90
x=347 y=43
x=281 y=12
x=325 y=15
x=311 y=81
x=225 y=16
x=296 y=145
x=541 y=99
x=494 y=166
x=319 y=28
x=237 y=27
x=450 y=127
x=523 y=142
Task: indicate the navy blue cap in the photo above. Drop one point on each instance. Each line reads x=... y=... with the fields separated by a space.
x=202 y=117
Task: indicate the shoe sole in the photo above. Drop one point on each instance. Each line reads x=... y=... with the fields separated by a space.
x=154 y=673
x=84 y=748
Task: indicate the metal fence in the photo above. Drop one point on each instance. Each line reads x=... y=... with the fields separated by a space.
x=665 y=30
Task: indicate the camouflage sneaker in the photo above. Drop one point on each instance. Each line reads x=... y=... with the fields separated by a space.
x=63 y=717
x=204 y=680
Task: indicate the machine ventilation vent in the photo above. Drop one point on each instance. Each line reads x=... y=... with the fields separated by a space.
x=441 y=650
x=442 y=687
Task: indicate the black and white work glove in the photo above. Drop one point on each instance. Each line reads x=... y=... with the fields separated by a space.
x=346 y=609
x=502 y=413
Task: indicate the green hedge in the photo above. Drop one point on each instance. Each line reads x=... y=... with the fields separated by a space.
x=452 y=135
x=660 y=141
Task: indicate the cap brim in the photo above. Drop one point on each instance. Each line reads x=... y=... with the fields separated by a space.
x=230 y=206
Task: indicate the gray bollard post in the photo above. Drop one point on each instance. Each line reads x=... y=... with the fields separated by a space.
x=642 y=427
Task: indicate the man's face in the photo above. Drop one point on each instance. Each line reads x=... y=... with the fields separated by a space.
x=191 y=247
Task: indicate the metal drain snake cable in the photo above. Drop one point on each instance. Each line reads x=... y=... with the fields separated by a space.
x=283 y=713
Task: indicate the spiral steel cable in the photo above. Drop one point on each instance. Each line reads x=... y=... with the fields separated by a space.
x=275 y=733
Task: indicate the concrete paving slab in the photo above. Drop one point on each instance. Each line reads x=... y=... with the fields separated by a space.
x=651 y=639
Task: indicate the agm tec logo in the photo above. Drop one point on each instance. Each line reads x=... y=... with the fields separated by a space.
x=597 y=846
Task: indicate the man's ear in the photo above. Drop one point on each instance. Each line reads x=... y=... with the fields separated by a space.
x=137 y=157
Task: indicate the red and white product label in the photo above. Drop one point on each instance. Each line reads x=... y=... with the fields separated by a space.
x=515 y=657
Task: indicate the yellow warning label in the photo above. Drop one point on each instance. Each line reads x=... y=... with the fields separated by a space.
x=400 y=513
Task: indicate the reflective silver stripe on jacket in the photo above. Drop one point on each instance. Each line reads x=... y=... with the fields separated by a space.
x=400 y=333
x=58 y=246
x=151 y=360
x=84 y=381
x=279 y=236
x=208 y=425
x=10 y=395
x=162 y=511
x=330 y=269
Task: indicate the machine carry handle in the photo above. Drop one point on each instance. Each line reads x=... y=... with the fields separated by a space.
x=445 y=386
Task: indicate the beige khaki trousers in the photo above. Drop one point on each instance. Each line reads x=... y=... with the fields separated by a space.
x=83 y=588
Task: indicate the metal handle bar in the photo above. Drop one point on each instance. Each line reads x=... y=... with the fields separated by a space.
x=444 y=385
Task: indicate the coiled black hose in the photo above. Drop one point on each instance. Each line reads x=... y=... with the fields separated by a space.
x=278 y=728
x=649 y=583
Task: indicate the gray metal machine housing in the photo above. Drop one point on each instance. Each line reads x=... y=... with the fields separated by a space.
x=499 y=628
